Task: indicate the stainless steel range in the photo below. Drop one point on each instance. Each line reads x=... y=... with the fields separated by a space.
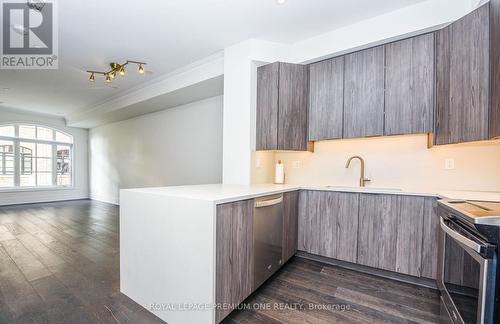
x=468 y=274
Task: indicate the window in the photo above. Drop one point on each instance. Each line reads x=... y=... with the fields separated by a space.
x=34 y=156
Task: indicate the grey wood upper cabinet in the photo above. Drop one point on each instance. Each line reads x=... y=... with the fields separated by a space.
x=267 y=106
x=364 y=93
x=328 y=224
x=290 y=220
x=409 y=86
x=326 y=99
x=234 y=254
x=282 y=99
x=463 y=72
x=495 y=68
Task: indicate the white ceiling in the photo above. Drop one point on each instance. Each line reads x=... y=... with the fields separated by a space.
x=167 y=34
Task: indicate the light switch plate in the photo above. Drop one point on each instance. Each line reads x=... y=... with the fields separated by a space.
x=258 y=163
x=296 y=164
x=449 y=164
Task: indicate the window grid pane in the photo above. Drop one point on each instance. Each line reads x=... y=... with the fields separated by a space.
x=6 y=164
x=37 y=161
x=63 y=165
x=27 y=131
x=7 y=131
x=36 y=164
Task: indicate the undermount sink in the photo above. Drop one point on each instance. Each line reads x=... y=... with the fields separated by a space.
x=364 y=188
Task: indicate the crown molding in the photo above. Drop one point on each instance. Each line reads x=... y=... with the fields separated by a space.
x=196 y=72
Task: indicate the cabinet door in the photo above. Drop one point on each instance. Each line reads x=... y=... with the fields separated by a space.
x=409 y=235
x=267 y=107
x=326 y=99
x=292 y=112
x=391 y=232
x=430 y=237
x=328 y=224
x=378 y=223
x=290 y=219
x=364 y=93
x=462 y=72
x=495 y=68
x=409 y=86
x=234 y=241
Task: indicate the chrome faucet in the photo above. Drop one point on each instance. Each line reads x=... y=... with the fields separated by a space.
x=362 y=179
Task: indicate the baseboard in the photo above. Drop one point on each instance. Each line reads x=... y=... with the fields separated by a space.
x=104 y=200
x=423 y=282
x=39 y=200
x=43 y=202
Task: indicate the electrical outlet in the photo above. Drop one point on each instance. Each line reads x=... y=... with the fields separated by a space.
x=296 y=164
x=449 y=164
x=258 y=163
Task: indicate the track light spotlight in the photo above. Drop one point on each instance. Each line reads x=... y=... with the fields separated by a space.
x=115 y=69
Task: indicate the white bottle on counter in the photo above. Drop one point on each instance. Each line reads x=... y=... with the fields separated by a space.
x=279 y=173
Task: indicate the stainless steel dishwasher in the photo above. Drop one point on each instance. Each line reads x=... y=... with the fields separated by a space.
x=267 y=237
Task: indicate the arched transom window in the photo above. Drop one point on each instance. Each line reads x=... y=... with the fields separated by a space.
x=35 y=156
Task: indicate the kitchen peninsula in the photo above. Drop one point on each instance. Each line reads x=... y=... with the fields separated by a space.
x=169 y=239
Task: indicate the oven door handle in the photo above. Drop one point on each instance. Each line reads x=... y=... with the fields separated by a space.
x=460 y=238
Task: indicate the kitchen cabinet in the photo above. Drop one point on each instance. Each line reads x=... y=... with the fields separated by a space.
x=282 y=99
x=398 y=233
x=430 y=237
x=326 y=99
x=409 y=86
x=463 y=84
x=328 y=224
x=290 y=221
x=364 y=93
x=378 y=219
x=234 y=254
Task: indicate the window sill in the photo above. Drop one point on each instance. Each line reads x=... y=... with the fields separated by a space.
x=32 y=189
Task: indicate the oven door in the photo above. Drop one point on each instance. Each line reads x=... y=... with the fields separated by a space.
x=467 y=273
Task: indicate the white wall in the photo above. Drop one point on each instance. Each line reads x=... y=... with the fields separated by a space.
x=402 y=162
x=80 y=189
x=177 y=146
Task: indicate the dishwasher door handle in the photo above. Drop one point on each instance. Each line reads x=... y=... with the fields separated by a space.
x=268 y=203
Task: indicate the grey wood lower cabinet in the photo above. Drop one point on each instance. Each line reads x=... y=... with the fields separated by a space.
x=290 y=222
x=328 y=224
x=391 y=232
x=234 y=260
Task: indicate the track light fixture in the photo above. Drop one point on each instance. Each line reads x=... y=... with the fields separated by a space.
x=116 y=68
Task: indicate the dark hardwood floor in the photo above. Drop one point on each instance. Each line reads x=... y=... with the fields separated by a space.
x=59 y=263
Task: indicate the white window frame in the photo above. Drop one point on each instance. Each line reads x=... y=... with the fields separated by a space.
x=17 y=166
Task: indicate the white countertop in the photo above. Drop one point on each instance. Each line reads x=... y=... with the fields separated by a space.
x=219 y=193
